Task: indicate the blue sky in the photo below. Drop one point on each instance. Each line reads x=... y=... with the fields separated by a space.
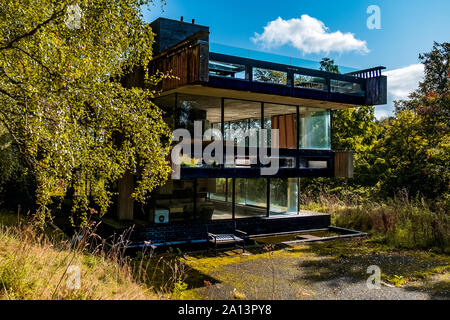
x=407 y=29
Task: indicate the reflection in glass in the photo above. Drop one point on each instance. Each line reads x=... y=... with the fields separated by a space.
x=251 y=198
x=346 y=87
x=270 y=76
x=315 y=129
x=219 y=199
x=284 y=196
x=177 y=197
x=309 y=82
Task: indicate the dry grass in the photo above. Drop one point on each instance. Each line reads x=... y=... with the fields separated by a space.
x=39 y=265
x=398 y=222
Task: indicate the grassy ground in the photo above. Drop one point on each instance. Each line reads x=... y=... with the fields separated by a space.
x=42 y=265
x=34 y=264
x=334 y=270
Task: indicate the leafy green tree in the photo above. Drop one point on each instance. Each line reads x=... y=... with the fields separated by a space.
x=70 y=103
x=416 y=148
x=431 y=101
x=328 y=65
x=409 y=160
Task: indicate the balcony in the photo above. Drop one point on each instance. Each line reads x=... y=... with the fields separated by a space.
x=245 y=162
x=203 y=71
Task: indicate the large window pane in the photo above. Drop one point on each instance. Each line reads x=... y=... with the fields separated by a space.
x=251 y=198
x=176 y=197
x=242 y=121
x=217 y=203
x=315 y=129
x=224 y=69
x=309 y=82
x=188 y=110
x=346 y=87
x=270 y=76
x=284 y=196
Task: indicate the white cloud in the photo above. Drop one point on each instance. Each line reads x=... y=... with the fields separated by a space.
x=401 y=82
x=308 y=35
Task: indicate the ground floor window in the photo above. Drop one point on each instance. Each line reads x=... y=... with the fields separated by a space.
x=251 y=198
x=226 y=198
x=284 y=196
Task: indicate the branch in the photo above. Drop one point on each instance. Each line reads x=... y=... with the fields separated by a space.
x=54 y=16
x=36 y=60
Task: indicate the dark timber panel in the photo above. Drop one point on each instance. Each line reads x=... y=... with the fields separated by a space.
x=197 y=230
x=376 y=91
x=187 y=65
x=171 y=32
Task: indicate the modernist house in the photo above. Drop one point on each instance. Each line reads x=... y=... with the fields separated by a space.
x=243 y=91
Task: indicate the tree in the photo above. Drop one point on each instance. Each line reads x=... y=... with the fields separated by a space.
x=328 y=65
x=416 y=149
x=409 y=160
x=64 y=103
x=431 y=101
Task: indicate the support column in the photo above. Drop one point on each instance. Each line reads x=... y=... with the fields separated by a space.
x=233 y=198
x=126 y=203
x=298 y=195
x=292 y=195
x=268 y=197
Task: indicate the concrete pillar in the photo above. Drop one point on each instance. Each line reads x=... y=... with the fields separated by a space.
x=125 y=205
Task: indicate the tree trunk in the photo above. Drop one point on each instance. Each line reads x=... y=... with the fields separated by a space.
x=126 y=203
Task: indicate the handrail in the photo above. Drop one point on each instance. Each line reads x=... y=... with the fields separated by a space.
x=252 y=63
x=367 y=73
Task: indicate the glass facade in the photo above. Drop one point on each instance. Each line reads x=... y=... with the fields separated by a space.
x=212 y=198
x=177 y=197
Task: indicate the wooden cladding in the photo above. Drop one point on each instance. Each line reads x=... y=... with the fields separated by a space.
x=287 y=130
x=343 y=164
x=188 y=65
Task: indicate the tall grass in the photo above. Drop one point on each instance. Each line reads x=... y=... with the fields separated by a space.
x=399 y=222
x=39 y=264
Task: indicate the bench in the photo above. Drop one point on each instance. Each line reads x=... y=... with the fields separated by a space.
x=237 y=238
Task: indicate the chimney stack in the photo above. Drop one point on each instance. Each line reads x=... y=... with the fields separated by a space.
x=181 y=19
x=193 y=21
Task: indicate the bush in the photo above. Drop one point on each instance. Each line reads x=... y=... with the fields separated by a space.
x=399 y=222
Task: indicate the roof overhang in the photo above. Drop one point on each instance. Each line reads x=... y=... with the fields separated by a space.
x=203 y=90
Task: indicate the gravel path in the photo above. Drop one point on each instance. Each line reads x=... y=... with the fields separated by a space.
x=332 y=271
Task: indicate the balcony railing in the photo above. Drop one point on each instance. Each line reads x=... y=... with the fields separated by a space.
x=192 y=63
x=245 y=162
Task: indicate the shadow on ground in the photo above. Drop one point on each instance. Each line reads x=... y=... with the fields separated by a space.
x=332 y=270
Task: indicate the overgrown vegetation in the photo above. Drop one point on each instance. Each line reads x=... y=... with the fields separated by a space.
x=42 y=264
x=398 y=222
x=400 y=188
x=70 y=109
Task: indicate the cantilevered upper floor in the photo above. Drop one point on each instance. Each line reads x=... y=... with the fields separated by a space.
x=203 y=69
x=226 y=89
